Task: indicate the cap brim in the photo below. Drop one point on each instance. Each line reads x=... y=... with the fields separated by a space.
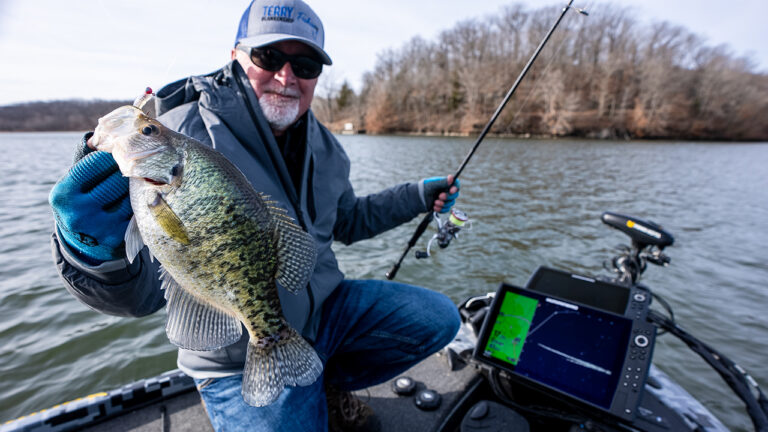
x=270 y=38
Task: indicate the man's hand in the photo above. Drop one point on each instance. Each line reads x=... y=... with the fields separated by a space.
x=439 y=193
x=91 y=206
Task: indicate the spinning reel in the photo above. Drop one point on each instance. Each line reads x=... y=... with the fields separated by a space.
x=446 y=231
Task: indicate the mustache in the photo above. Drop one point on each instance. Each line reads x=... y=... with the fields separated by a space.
x=282 y=91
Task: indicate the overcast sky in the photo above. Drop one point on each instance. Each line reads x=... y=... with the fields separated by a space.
x=52 y=49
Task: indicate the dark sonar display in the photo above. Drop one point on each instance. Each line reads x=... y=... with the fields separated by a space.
x=600 y=294
x=565 y=346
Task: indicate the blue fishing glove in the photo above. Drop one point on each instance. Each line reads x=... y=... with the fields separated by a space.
x=91 y=206
x=431 y=188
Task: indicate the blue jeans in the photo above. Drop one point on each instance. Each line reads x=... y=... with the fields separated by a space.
x=371 y=331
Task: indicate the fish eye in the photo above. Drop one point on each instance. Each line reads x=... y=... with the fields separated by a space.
x=150 y=130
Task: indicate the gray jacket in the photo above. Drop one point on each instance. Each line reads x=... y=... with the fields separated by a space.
x=221 y=110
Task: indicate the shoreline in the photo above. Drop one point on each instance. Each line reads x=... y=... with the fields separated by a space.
x=529 y=136
x=526 y=136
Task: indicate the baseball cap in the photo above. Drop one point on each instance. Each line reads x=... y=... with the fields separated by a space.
x=269 y=21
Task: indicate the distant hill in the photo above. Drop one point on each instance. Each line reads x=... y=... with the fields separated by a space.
x=63 y=115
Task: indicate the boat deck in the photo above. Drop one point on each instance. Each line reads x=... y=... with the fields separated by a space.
x=170 y=403
x=180 y=413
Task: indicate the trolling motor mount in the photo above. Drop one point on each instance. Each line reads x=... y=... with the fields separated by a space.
x=648 y=243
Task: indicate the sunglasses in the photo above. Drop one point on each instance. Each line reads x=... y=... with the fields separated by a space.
x=272 y=60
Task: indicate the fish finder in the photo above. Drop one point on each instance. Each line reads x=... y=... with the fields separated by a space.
x=588 y=356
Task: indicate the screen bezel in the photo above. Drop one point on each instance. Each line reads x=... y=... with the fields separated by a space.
x=479 y=352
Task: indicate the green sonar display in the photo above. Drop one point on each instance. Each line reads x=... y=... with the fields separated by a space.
x=511 y=328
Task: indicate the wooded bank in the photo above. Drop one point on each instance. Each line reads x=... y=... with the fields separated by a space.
x=604 y=75
x=64 y=115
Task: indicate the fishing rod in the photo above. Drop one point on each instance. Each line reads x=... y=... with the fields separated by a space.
x=428 y=218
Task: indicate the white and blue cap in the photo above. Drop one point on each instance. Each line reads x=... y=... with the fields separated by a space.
x=268 y=21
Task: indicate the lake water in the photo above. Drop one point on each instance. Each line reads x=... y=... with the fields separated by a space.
x=532 y=202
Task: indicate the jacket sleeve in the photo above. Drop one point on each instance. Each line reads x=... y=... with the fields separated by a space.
x=114 y=287
x=360 y=218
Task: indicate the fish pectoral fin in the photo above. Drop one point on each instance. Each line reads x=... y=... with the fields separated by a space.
x=296 y=255
x=133 y=240
x=291 y=361
x=167 y=219
x=194 y=324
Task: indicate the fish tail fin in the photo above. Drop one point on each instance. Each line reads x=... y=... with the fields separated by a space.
x=270 y=366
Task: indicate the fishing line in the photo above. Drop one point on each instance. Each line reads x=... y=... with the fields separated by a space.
x=171 y=64
x=428 y=217
x=545 y=71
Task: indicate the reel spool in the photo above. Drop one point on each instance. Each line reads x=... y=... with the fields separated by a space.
x=446 y=231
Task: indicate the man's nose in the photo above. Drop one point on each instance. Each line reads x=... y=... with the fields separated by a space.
x=285 y=75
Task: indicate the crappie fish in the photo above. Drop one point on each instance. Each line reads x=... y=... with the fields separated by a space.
x=222 y=247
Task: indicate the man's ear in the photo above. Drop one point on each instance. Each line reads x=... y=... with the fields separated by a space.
x=233 y=53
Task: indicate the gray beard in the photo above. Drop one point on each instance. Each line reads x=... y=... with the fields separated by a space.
x=279 y=116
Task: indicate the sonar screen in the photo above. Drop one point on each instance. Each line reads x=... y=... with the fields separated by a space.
x=577 y=350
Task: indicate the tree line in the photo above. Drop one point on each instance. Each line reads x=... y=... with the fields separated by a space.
x=606 y=75
x=62 y=115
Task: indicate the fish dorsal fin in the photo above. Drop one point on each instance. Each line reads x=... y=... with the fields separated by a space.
x=296 y=250
x=275 y=211
x=133 y=240
x=296 y=255
x=194 y=325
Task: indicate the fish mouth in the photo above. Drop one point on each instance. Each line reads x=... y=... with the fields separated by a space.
x=154 y=181
x=113 y=126
x=134 y=156
x=131 y=166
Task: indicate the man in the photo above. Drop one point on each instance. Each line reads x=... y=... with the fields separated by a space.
x=255 y=111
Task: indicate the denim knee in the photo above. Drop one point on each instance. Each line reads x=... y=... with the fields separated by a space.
x=446 y=321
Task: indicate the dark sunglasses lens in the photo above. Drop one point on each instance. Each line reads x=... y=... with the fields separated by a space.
x=273 y=60
x=306 y=68
x=268 y=59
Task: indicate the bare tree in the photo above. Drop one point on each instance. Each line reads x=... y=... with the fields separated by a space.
x=328 y=86
x=606 y=76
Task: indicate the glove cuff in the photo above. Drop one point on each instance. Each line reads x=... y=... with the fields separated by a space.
x=79 y=252
x=82 y=148
x=429 y=188
x=421 y=195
